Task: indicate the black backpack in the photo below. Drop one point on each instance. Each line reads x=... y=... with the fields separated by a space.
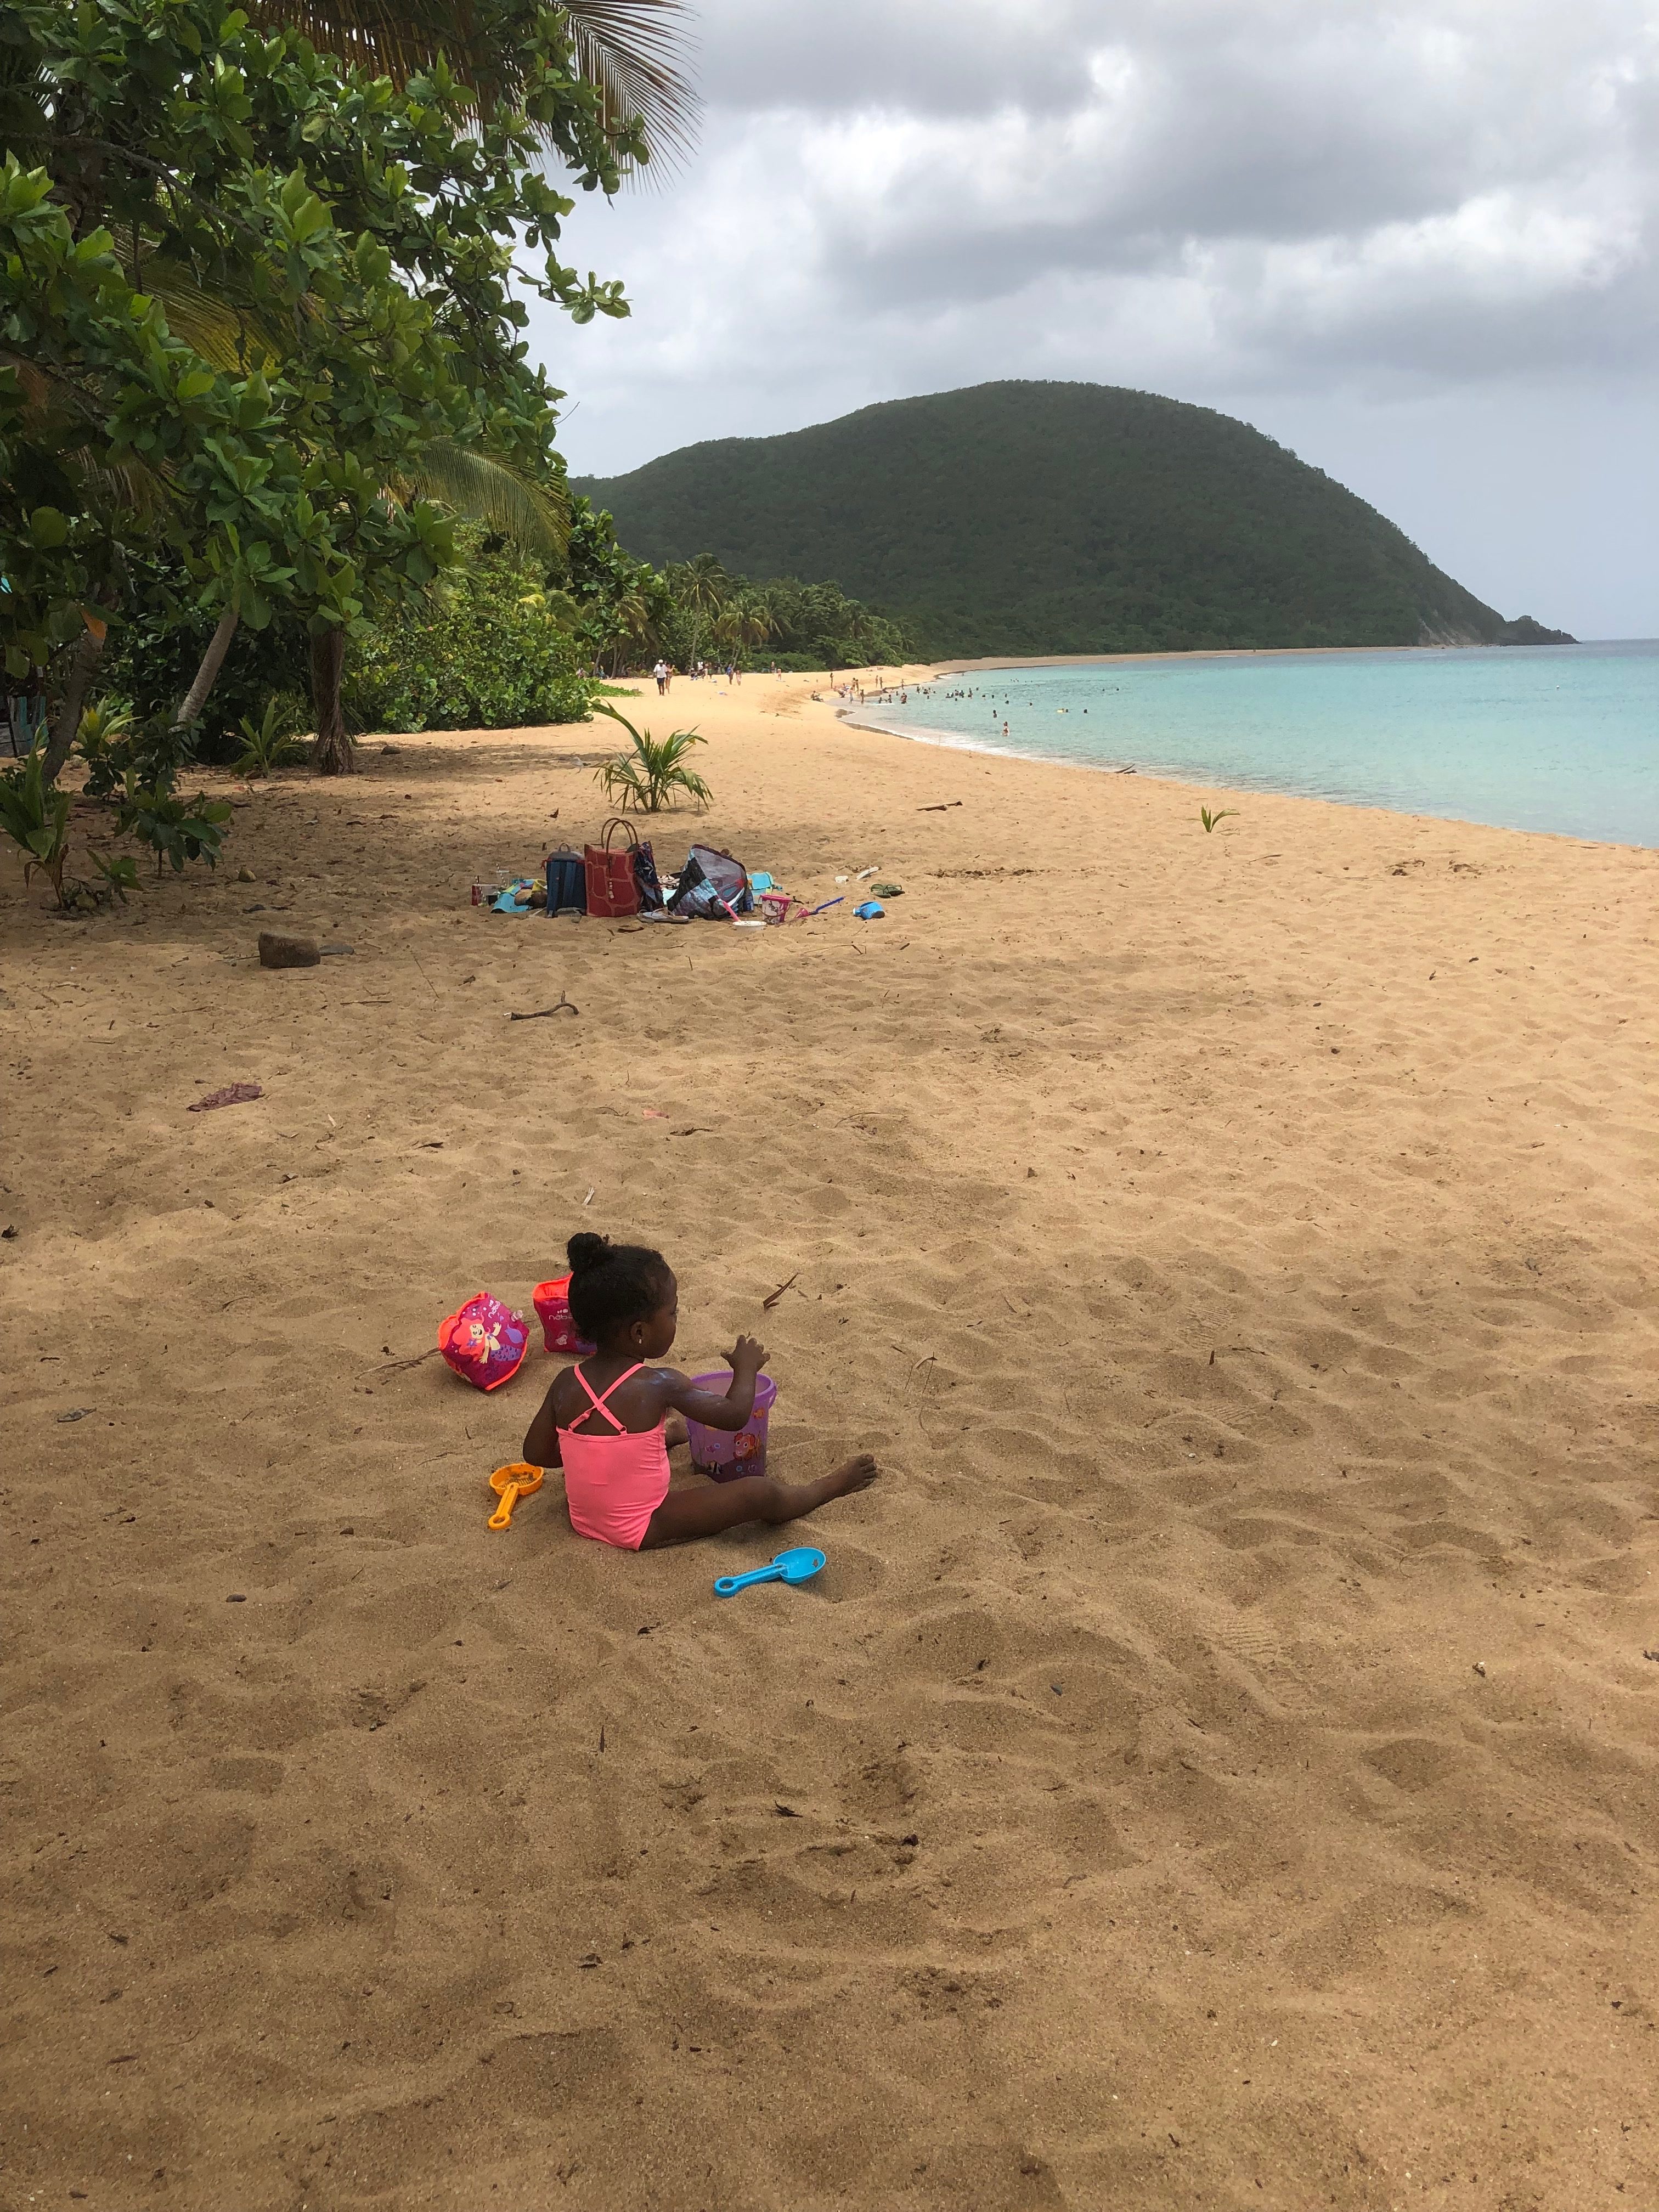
x=566 y=882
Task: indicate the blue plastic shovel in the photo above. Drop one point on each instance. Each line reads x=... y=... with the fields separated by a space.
x=797 y=1567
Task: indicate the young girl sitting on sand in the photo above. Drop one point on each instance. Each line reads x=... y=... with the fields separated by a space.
x=605 y=1421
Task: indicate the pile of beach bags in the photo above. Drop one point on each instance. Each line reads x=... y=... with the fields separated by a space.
x=618 y=879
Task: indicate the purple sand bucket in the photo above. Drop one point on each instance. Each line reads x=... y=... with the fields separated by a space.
x=724 y=1453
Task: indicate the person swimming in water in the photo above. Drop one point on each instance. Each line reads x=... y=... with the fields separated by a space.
x=610 y=1421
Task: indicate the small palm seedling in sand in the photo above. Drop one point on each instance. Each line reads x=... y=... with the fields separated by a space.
x=1210 y=820
x=119 y=872
x=101 y=728
x=271 y=745
x=649 y=777
x=34 y=815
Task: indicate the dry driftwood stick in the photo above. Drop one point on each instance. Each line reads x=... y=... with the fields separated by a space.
x=393 y=1366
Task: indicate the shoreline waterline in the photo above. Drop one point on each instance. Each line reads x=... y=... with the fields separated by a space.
x=1559 y=741
x=948 y=741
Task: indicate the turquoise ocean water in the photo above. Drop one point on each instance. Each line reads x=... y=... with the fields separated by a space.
x=1556 y=737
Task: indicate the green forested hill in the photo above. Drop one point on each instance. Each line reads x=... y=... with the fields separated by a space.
x=1053 y=517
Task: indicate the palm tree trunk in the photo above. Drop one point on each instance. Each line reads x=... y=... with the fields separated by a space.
x=65 y=728
x=333 y=753
x=212 y=662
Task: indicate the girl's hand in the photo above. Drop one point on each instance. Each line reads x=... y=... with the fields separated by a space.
x=747 y=1356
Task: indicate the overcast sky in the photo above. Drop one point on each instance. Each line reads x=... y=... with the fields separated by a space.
x=1415 y=243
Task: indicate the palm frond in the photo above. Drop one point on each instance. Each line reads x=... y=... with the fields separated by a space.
x=23 y=100
x=396 y=38
x=223 y=326
x=128 y=484
x=702 y=587
x=485 y=489
x=629 y=50
x=269 y=743
x=132 y=484
x=648 y=777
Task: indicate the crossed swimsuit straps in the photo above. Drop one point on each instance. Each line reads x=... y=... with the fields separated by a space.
x=613 y=1483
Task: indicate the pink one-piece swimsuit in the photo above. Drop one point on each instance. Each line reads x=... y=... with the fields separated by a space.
x=613 y=1484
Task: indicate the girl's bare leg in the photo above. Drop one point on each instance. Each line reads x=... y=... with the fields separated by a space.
x=686 y=1514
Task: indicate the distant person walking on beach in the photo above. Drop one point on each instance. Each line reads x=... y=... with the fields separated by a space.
x=660 y=672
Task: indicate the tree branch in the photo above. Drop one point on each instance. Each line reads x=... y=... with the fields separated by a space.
x=212 y=660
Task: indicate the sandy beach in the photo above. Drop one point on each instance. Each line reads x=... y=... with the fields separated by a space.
x=1217 y=1767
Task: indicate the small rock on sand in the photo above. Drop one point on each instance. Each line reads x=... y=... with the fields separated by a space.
x=278 y=950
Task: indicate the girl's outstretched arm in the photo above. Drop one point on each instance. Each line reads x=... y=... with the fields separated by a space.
x=746 y=1358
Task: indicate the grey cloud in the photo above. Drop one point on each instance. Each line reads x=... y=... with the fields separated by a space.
x=1228 y=143
x=912 y=57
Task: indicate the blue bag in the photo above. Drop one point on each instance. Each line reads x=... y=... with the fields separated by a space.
x=566 y=882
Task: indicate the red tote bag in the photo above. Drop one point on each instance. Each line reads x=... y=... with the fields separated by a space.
x=613 y=888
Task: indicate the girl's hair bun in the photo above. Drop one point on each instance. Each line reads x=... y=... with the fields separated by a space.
x=585 y=1250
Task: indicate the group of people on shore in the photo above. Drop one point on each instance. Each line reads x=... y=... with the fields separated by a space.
x=855 y=695
x=664 y=671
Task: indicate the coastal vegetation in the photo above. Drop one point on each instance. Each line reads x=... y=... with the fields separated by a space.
x=260 y=316
x=628 y=613
x=35 y=816
x=281 y=464
x=503 y=639
x=489 y=648
x=279 y=459
x=1029 y=518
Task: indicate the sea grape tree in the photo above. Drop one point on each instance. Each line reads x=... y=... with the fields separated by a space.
x=258 y=307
